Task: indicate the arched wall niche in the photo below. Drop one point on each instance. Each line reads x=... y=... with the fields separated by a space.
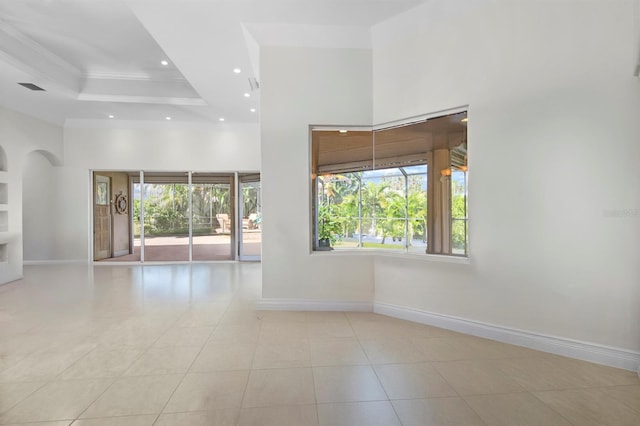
x=3 y=160
x=53 y=159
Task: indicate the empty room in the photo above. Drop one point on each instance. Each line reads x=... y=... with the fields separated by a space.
x=322 y=212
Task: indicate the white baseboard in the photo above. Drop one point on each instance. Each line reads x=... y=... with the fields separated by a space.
x=312 y=305
x=614 y=357
x=8 y=279
x=55 y=262
x=121 y=253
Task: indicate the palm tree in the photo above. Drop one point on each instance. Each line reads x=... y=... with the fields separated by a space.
x=372 y=202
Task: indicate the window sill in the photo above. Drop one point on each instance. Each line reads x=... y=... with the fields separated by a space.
x=403 y=255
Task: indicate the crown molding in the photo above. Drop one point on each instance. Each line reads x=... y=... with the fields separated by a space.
x=32 y=58
x=104 y=75
x=142 y=99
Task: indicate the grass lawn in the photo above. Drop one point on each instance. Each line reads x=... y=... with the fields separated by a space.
x=349 y=244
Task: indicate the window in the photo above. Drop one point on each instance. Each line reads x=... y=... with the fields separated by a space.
x=398 y=189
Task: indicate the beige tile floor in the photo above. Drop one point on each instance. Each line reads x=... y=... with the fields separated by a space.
x=182 y=345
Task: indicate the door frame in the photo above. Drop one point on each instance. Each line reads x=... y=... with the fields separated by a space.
x=235 y=213
x=96 y=177
x=239 y=210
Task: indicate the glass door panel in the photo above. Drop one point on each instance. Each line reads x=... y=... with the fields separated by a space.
x=166 y=218
x=211 y=217
x=250 y=205
x=137 y=224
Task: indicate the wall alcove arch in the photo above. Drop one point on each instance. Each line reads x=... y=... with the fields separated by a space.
x=53 y=159
x=3 y=160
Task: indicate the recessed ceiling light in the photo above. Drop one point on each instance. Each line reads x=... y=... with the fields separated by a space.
x=237 y=70
x=343 y=131
x=464 y=120
x=167 y=118
x=111 y=116
x=165 y=63
x=221 y=119
x=252 y=110
x=246 y=95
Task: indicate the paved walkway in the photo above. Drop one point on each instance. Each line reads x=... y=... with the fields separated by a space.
x=205 y=247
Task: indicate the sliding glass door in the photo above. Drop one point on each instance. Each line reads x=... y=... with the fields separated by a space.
x=190 y=216
x=212 y=216
x=166 y=217
x=250 y=205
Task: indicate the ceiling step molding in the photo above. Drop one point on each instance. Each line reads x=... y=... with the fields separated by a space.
x=129 y=76
x=35 y=60
x=142 y=99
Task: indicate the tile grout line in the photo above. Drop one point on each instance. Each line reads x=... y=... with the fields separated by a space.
x=313 y=377
x=116 y=378
x=194 y=359
x=253 y=356
x=26 y=396
x=459 y=395
x=371 y=365
x=552 y=409
x=637 y=409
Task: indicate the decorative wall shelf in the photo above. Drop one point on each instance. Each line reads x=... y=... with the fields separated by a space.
x=4 y=193
x=4 y=221
x=3 y=160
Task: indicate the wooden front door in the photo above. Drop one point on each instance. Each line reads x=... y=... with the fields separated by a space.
x=101 y=217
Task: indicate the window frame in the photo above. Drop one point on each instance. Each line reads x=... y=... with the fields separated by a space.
x=432 y=175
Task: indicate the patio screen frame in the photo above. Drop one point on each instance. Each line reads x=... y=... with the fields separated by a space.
x=168 y=177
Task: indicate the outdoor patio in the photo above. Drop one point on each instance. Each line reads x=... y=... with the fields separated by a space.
x=205 y=247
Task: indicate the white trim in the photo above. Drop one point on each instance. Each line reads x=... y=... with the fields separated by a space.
x=9 y=279
x=91 y=246
x=24 y=43
x=55 y=262
x=142 y=99
x=108 y=262
x=129 y=76
x=236 y=241
x=336 y=127
x=376 y=252
x=89 y=123
x=419 y=118
x=142 y=212
x=190 y=207
x=312 y=305
x=600 y=354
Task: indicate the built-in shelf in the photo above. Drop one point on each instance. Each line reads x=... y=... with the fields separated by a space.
x=4 y=193
x=4 y=221
x=3 y=160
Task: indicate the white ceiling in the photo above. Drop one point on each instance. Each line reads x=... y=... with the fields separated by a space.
x=97 y=58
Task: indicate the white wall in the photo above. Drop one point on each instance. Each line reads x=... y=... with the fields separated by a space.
x=39 y=200
x=127 y=146
x=302 y=87
x=554 y=125
x=163 y=147
x=20 y=135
